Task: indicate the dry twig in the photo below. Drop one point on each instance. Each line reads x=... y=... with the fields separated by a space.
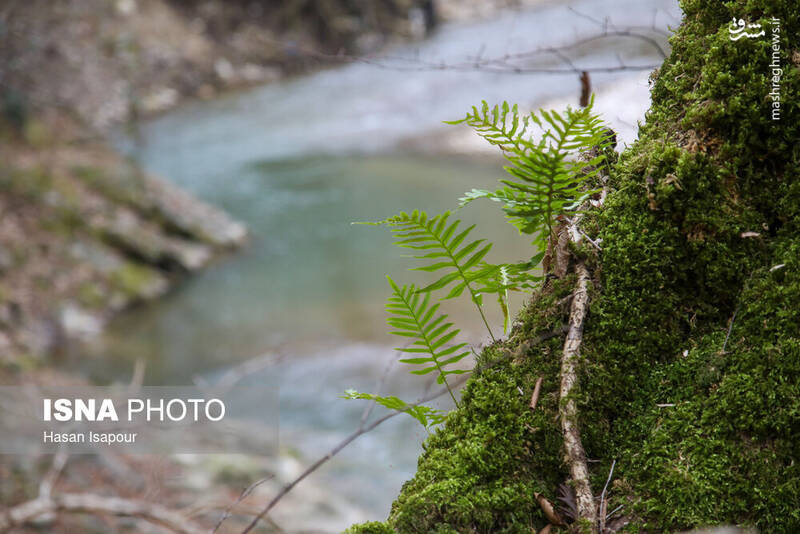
x=242 y=497
x=28 y=511
x=548 y=509
x=603 y=501
x=361 y=430
x=535 y=397
x=568 y=409
x=570 y=357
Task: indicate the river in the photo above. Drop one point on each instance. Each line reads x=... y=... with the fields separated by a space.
x=299 y=161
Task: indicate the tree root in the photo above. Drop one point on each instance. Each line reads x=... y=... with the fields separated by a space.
x=568 y=410
x=575 y=456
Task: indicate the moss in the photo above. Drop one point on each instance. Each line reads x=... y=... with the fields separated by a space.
x=36 y=133
x=481 y=471
x=91 y=294
x=372 y=527
x=703 y=208
x=30 y=184
x=134 y=280
x=109 y=182
x=726 y=450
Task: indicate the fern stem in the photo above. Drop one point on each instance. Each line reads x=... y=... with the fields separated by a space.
x=480 y=310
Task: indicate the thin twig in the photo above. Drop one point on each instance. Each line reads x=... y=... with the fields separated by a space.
x=535 y=397
x=378 y=390
x=610 y=474
x=25 y=513
x=614 y=511
x=603 y=503
x=242 y=497
x=49 y=479
x=590 y=240
x=730 y=328
x=137 y=378
x=335 y=450
x=236 y=374
x=568 y=408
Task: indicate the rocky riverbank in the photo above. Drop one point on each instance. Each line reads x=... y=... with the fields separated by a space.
x=84 y=233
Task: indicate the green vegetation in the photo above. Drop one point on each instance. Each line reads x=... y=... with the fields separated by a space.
x=547 y=181
x=691 y=354
x=549 y=184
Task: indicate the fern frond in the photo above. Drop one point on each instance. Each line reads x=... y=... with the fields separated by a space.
x=500 y=125
x=426 y=415
x=546 y=180
x=412 y=315
x=443 y=243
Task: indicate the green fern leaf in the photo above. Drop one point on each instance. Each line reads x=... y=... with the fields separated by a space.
x=411 y=314
x=546 y=180
x=442 y=241
x=426 y=415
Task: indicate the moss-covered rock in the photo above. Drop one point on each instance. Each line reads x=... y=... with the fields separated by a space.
x=691 y=374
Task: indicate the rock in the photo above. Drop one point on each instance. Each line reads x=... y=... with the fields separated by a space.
x=5 y=342
x=252 y=73
x=147 y=241
x=224 y=70
x=159 y=100
x=126 y=7
x=41 y=336
x=102 y=258
x=193 y=216
x=206 y=92
x=77 y=322
x=6 y=259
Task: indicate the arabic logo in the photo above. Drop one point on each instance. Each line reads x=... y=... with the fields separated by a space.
x=737 y=30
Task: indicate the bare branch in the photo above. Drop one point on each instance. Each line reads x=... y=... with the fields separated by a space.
x=361 y=430
x=49 y=479
x=603 y=502
x=242 y=497
x=236 y=374
x=75 y=503
x=378 y=390
x=568 y=408
x=504 y=64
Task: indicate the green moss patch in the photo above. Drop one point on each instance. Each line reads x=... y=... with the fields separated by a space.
x=691 y=374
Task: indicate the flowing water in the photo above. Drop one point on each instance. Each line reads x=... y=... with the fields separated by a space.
x=298 y=161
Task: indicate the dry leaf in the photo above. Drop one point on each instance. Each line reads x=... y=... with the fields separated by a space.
x=549 y=511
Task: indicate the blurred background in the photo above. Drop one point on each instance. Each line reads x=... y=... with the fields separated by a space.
x=177 y=185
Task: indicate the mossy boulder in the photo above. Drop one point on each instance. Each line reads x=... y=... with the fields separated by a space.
x=691 y=355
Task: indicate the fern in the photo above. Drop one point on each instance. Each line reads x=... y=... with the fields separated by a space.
x=546 y=181
x=443 y=241
x=426 y=415
x=412 y=315
x=503 y=278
